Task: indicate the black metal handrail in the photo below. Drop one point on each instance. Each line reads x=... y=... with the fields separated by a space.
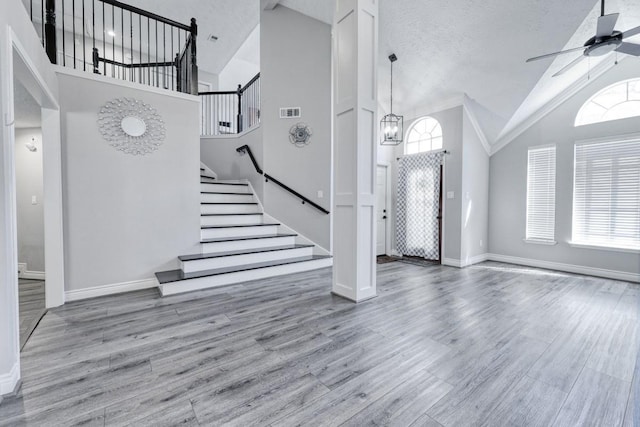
x=245 y=149
x=110 y=37
x=231 y=112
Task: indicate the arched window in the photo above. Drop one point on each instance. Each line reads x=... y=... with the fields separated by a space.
x=424 y=135
x=618 y=101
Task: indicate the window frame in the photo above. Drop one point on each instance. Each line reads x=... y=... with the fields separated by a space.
x=579 y=121
x=576 y=242
x=528 y=234
x=412 y=127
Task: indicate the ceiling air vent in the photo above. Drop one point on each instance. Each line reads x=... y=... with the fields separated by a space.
x=290 y=112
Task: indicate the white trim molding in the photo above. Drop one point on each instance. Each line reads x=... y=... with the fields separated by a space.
x=604 y=248
x=231 y=135
x=466 y=262
x=569 y=268
x=466 y=106
x=451 y=262
x=540 y=242
x=507 y=137
x=111 y=289
x=10 y=381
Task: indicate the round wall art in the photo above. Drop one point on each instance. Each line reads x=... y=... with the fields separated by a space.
x=131 y=126
x=300 y=134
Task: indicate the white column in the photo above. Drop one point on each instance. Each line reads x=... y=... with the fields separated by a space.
x=355 y=53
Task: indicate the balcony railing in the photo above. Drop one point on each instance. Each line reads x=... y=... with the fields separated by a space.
x=231 y=112
x=118 y=40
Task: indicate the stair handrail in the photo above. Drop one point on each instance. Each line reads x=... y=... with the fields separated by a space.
x=245 y=149
x=106 y=40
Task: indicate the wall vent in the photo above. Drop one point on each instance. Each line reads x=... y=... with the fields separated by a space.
x=290 y=112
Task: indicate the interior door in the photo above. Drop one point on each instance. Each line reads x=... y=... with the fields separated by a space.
x=381 y=210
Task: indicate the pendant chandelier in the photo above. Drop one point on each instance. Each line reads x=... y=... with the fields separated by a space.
x=391 y=125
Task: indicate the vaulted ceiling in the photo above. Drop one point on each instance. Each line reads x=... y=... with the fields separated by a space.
x=445 y=48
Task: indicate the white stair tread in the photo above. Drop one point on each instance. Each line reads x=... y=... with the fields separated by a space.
x=178 y=275
x=233 y=239
x=196 y=257
x=261 y=224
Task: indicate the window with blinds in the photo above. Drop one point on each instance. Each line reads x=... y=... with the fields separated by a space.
x=541 y=194
x=606 y=194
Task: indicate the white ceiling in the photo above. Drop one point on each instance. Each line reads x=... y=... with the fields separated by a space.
x=230 y=20
x=445 y=48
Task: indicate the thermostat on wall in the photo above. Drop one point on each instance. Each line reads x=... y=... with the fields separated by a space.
x=290 y=112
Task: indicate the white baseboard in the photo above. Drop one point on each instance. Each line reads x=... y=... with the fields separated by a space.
x=10 y=380
x=115 y=288
x=24 y=273
x=33 y=275
x=451 y=262
x=569 y=268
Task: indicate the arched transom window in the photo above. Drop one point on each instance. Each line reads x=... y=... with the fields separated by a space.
x=424 y=135
x=618 y=101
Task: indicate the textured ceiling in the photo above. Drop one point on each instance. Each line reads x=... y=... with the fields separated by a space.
x=27 y=110
x=445 y=48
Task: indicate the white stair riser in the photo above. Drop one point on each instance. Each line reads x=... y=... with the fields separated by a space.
x=237 y=245
x=230 y=209
x=226 y=198
x=241 y=276
x=215 y=233
x=238 y=260
x=231 y=219
x=223 y=188
x=204 y=178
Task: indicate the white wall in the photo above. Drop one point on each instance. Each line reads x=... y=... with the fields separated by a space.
x=474 y=196
x=296 y=72
x=508 y=175
x=452 y=131
x=220 y=155
x=126 y=216
x=244 y=64
x=30 y=217
x=15 y=27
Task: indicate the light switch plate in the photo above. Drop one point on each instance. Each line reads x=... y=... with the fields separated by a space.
x=34 y=200
x=320 y=194
x=451 y=195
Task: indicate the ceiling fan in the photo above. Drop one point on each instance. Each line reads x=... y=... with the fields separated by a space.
x=606 y=40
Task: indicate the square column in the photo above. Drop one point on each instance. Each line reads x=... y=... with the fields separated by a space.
x=355 y=61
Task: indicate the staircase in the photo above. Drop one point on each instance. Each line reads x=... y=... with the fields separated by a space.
x=238 y=242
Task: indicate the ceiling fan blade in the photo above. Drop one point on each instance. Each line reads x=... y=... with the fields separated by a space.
x=631 y=32
x=606 y=25
x=629 y=49
x=570 y=65
x=549 y=55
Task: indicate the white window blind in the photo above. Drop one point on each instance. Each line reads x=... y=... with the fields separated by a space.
x=606 y=194
x=541 y=194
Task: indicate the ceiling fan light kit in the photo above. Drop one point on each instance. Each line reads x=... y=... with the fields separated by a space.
x=606 y=40
x=392 y=125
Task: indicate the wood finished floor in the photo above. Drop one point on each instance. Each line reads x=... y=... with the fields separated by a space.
x=490 y=345
x=31 y=306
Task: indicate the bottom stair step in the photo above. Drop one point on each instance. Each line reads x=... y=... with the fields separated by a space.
x=176 y=281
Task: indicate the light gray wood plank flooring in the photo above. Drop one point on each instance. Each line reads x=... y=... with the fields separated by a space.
x=31 y=306
x=492 y=344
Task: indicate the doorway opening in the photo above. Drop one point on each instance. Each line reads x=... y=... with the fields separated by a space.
x=29 y=195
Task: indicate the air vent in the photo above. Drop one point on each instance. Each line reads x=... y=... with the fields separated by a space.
x=290 y=113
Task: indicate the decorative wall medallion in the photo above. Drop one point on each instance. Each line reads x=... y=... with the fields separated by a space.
x=131 y=126
x=300 y=134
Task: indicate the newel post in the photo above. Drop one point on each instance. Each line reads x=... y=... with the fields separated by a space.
x=50 y=31
x=194 y=59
